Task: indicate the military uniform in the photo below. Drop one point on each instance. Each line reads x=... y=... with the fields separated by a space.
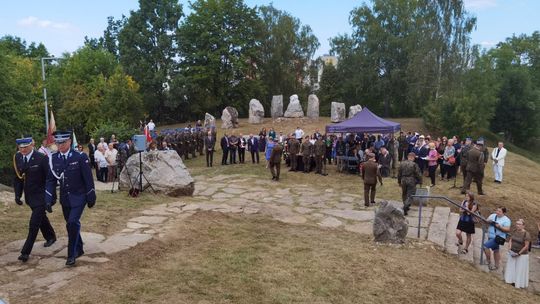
x=408 y=176
x=275 y=161
x=294 y=149
x=319 y=148
x=403 y=146
x=306 y=151
x=475 y=170
x=370 y=174
x=31 y=173
x=463 y=161
x=72 y=172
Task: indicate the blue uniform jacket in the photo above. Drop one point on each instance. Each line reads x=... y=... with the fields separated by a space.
x=74 y=177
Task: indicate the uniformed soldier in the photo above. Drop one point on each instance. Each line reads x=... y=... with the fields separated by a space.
x=294 y=149
x=370 y=174
x=275 y=161
x=319 y=149
x=70 y=169
x=200 y=141
x=408 y=176
x=463 y=154
x=403 y=146
x=475 y=168
x=31 y=168
x=306 y=151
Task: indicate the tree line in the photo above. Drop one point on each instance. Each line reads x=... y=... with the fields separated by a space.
x=402 y=59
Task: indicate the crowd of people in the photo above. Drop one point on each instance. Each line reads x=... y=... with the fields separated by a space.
x=408 y=157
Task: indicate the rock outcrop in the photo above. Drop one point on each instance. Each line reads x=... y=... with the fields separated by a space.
x=313 y=106
x=389 y=225
x=294 y=109
x=354 y=109
x=277 y=106
x=337 y=113
x=163 y=170
x=229 y=118
x=256 y=112
x=209 y=120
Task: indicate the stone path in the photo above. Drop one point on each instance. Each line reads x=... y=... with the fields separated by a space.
x=45 y=271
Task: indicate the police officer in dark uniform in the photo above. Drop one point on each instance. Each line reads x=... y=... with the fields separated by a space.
x=31 y=169
x=408 y=176
x=70 y=169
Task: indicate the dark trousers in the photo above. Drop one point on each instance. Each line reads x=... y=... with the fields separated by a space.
x=307 y=161
x=407 y=191
x=224 y=157
x=102 y=174
x=448 y=170
x=294 y=159
x=275 y=169
x=38 y=221
x=241 y=155
x=402 y=153
x=254 y=156
x=432 y=170
x=73 y=226
x=318 y=163
x=209 y=158
x=232 y=156
x=464 y=172
x=478 y=177
x=369 y=193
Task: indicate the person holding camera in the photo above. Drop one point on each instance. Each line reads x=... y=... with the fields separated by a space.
x=517 y=265
x=497 y=234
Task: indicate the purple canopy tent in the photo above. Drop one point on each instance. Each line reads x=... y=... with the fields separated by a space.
x=364 y=122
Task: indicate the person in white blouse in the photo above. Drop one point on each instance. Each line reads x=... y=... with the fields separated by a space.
x=498 y=155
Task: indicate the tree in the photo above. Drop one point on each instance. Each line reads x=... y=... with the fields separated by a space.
x=20 y=110
x=404 y=53
x=287 y=47
x=330 y=89
x=147 y=45
x=218 y=51
x=16 y=46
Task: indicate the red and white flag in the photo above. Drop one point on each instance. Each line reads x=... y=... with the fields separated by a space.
x=51 y=130
x=147 y=134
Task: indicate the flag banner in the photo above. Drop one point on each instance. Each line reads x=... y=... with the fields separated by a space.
x=51 y=130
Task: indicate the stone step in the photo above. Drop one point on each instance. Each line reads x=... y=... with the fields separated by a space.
x=477 y=245
x=451 y=240
x=439 y=223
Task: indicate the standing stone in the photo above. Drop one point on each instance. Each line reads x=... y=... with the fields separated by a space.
x=313 y=106
x=163 y=170
x=294 y=109
x=277 y=106
x=338 y=112
x=354 y=109
x=389 y=225
x=229 y=118
x=256 y=112
x=209 y=120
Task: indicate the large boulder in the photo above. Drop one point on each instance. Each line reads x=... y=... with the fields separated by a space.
x=209 y=121
x=277 y=106
x=229 y=118
x=389 y=225
x=256 y=112
x=313 y=106
x=294 y=109
x=337 y=112
x=354 y=109
x=163 y=170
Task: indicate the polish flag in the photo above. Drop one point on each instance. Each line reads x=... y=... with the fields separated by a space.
x=147 y=134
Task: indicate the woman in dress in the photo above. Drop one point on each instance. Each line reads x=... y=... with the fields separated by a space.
x=448 y=166
x=432 y=160
x=272 y=134
x=517 y=264
x=466 y=222
x=269 y=146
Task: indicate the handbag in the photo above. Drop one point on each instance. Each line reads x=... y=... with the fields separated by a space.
x=499 y=239
x=451 y=160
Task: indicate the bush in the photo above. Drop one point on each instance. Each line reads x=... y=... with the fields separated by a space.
x=121 y=129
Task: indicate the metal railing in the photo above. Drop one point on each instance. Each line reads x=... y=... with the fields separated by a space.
x=482 y=219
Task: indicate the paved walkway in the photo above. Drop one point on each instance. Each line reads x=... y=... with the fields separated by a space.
x=302 y=204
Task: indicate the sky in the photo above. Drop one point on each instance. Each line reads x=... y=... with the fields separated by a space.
x=61 y=25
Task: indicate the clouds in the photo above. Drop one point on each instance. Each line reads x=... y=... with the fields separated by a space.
x=480 y=4
x=35 y=22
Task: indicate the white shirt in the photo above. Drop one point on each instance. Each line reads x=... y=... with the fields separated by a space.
x=28 y=156
x=298 y=133
x=100 y=159
x=151 y=126
x=110 y=156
